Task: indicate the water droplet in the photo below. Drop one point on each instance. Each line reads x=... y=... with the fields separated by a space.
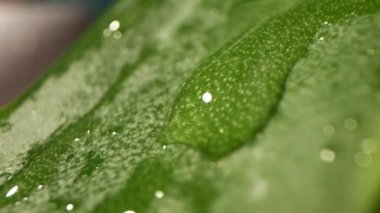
x=350 y=124
x=4 y=176
x=76 y=139
x=164 y=147
x=159 y=194
x=327 y=155
x=69 y=207
x=363 y=159
x=117 y=35
x=40 y=187
x=114 y=25
x=114 y=133
x=328 y=130
x=207 y=97
x=369 y=146
x=129 y=211
x=321 y=38
x=12 y=191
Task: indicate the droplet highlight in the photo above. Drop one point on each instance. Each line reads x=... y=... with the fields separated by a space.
x=159 y=194
x=69 y=207
x=12 y=191
x=327 y=155
x=207 y=97
x=114 y=25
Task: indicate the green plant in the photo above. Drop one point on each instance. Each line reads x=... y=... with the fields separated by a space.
x=204 y=106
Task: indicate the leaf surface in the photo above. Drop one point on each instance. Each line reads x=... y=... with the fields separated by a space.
x=121 y=122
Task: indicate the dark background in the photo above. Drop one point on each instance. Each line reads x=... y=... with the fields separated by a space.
x=34 y=33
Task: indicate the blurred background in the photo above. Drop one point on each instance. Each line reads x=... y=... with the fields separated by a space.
x=34 y=33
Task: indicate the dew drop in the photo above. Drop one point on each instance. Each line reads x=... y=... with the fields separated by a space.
x=40 y=187
x=159 y=194
x=76 y=139
x=12 y=191
x=4 y=176
x=114 y=25
x=129 y=211
x=164 y=147
x=207 y=97
x=114 y=133
x=327 y=155
x=69 y=207
x=363 y=159
x=350 y=124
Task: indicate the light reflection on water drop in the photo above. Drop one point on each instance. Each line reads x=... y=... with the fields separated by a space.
x=159 y=194
x=129 y=211
x=12 y=191
x=207 y=97
x=69 y=207
x=113 y=30
x=76 y=139
x=5 y=176
x=327 y=155
x=114 y=25
x=40 y=187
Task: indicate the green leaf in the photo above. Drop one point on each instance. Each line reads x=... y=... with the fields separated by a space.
x=232 y=94
x=204 y=106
